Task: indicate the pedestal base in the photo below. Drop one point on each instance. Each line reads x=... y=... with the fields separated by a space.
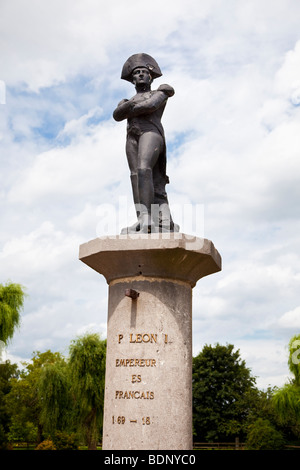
x=148 y=391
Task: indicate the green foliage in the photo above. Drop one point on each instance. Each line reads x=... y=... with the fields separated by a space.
x=3 y=438
x=40 y=360
x=23 y=401
x=11 y=303
x=87 y=367
x=47 y=444
x=71 y=393
x=4 y=444
x=286 y=400
x=55 y=396
x=64 y=441
x=22 y=431
x=262 y=435
x=87 y=371
x=223 y=393
x=8 y=372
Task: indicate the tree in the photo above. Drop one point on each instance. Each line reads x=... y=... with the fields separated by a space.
x=87 y=372
x=11 y=303
x=286 y=400
x=23 y=401
x=8 y=372
x=262 y=435
x=223 y=393
x=59 y=397
x=55 y=396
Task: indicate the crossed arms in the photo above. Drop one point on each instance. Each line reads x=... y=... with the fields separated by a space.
x=131 y=108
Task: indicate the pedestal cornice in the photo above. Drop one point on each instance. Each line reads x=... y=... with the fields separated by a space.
x=174 y=256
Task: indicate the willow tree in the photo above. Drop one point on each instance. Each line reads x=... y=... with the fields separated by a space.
x=286 y=400
x=24 y=401
x=87 y=373
x=11 y=304
x=55 y=397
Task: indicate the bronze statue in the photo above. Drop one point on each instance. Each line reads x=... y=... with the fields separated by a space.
x=145 y=145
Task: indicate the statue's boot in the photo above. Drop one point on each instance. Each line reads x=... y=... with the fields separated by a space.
x=135 y=191
x=146 y=196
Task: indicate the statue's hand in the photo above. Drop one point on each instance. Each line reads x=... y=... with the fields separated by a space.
x=123 y=110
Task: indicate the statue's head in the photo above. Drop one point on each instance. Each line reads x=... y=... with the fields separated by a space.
x=138 y=62
x=141 y=76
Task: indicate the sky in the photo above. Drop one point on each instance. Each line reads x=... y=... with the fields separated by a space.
x=233 y=148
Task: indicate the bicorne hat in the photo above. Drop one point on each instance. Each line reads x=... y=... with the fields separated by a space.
x=140 y=60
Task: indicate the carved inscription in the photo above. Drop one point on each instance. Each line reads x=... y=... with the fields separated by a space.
x=136 y=378
x=135 y=363
x=135 y=394
x=121 y=420
x=142 y=338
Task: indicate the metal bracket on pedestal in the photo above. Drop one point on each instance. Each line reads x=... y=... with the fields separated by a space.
x=133 y=294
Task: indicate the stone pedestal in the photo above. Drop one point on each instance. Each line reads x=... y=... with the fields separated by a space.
x=148 y=391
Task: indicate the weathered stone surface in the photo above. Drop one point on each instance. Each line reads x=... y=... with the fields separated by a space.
x=174 y=256
x=148 y=378
x=148 y=391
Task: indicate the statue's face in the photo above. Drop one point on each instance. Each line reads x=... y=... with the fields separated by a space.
x=141 y=75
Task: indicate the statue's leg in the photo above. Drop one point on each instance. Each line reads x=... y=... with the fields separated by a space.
x=132 y=158
x=150 y=146
x=146 y=194
x=135 y=192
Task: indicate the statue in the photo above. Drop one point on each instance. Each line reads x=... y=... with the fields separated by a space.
x=146 y=146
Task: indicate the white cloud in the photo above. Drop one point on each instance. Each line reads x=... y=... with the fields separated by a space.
x=233 y=146
x=50 y=44
x=290 y=319
x=93 y=328
x=87 y=164
x=287 y=77
x=43 y=250
x=267 y=360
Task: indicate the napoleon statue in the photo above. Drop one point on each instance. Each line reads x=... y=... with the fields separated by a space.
x=146 y=146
